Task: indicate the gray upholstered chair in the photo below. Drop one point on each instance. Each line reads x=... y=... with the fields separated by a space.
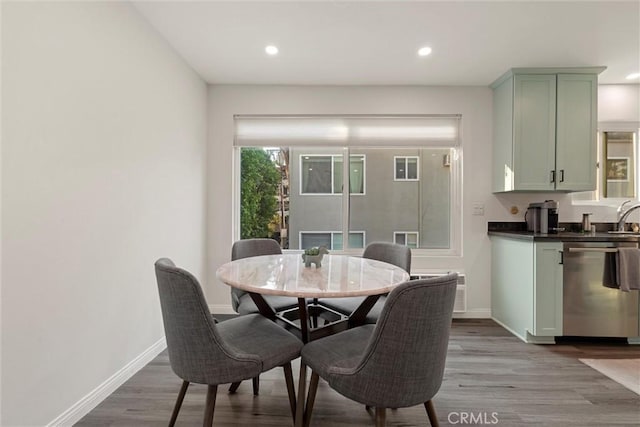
x=396 y=363
x=205 y=352
x=240 y=300
x=392 y=253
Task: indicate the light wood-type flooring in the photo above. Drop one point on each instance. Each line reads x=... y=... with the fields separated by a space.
x=491 y=378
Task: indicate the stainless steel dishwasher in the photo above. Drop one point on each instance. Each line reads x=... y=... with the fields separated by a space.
x=589 y=308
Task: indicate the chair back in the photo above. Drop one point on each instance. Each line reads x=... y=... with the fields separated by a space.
x=249 y=248
x=197 y=352
x=392 y=253
x=404 y=361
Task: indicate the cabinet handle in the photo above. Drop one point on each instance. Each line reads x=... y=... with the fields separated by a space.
x=561 y=175
x=553 y=176
x=561 y=257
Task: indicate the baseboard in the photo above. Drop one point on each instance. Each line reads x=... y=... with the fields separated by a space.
x=532 y=339
x=478 y=313
x=221 y=309
x=91 y=400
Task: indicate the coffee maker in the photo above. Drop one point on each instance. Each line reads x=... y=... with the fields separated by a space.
x=542 y=217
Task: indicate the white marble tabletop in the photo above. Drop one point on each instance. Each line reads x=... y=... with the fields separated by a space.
x=286 y=275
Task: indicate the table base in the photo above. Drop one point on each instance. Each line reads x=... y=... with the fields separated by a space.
x=292 y=320
x=307 y=315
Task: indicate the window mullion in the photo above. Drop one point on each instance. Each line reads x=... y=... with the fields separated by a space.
x=346 y=193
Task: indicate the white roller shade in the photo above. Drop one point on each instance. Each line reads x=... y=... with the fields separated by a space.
x=355 y=131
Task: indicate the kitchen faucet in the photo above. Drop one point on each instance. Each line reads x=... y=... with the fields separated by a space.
x=623 y=214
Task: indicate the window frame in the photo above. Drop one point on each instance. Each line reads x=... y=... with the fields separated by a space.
x=406 y=168
x=333 y=169
x=344 y=132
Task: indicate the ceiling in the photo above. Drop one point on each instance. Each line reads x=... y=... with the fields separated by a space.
x=375 y=42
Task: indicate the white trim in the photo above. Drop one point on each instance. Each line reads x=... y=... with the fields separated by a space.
x=221 y=309
x=100 y=393
x=236 y=205
x=406 y=168
x=456 y=205
x=1 y=233
x=478 y=313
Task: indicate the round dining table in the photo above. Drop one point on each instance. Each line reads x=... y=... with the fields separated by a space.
x=338 y=276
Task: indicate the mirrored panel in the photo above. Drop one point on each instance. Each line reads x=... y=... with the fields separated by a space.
x=619 y=164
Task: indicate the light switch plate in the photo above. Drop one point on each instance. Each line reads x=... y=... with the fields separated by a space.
x=478 y=208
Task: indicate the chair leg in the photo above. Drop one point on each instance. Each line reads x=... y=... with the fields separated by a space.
x=431 y=413
x=302 y=384
x=233 y=387
x=381 y=414
x=256 y=385
x=176 y=408
x=210 y=406
x=311 y=397
x=288 y=376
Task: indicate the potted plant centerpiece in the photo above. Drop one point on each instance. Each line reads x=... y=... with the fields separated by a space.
x=314 y=255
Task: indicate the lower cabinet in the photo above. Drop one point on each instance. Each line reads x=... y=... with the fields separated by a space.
x=547 y=289
x=526 y=288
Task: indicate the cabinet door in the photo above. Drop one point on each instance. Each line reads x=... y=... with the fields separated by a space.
x=534 y=129
x=576 y=118
x=547 y=302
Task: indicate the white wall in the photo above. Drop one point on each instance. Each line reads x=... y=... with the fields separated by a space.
x=474 y=103
x=616 y=103
x=103 y=157
x=619 y=103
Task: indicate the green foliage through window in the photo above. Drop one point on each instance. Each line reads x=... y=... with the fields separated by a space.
x=259 y=187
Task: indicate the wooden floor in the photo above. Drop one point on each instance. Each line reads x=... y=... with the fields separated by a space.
x=491 y=378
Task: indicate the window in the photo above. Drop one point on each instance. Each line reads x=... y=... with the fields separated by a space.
x=324 y=174
x=617 y=174
x=406 y=238
x=419 y=207
x=406 y=168
x=331 y=240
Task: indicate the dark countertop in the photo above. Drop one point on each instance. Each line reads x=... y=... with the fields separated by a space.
x=567 y=236
x=517 y=230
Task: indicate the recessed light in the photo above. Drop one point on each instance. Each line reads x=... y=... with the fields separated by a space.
x=424 y=51
x=271 y=50
x=633 y=76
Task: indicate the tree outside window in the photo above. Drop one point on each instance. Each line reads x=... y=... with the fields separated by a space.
x=260 y=179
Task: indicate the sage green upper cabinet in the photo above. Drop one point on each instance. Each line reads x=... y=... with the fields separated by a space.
x=545 y=129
